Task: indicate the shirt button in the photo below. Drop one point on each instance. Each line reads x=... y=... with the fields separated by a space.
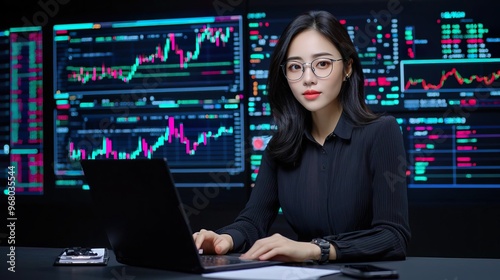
x=323 y=167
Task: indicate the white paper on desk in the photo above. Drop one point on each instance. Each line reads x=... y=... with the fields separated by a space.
x=273 y=272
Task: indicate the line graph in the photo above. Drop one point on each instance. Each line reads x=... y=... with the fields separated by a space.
x=194 y=140
x=449 y=75
x=180 y=55
x=172 y=135
x=207 y=34
x=485 y=80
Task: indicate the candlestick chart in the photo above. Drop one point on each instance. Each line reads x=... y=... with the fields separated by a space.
x=196 y=136
x=203 y=53
x=167 y=88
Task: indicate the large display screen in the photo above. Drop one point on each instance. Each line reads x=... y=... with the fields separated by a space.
x=436 y=73
x=169 y=88
x=21 y=103
x=193 y=90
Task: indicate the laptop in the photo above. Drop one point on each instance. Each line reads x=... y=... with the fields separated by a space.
x=140 y=209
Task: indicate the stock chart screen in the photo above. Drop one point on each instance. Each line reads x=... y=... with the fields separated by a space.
x=4 y=104
x=449 y=150
x=168 y=88
x=437 y=74
x=21 y=103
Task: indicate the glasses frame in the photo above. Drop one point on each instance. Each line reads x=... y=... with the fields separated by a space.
x=283 y=68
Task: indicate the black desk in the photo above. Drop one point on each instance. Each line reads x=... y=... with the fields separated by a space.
x=36 y=263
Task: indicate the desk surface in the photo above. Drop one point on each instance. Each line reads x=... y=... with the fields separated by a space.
x=37 y=263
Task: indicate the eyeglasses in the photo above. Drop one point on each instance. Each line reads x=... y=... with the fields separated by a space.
x=321 y=67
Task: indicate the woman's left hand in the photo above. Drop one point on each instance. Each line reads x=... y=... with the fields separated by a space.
x=280 y=248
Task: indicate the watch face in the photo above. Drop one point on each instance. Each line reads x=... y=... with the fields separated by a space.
x=321 y=242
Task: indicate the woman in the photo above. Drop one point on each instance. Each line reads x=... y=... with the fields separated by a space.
x=330 y=165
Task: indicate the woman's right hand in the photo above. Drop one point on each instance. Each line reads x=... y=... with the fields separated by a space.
x=213 y=243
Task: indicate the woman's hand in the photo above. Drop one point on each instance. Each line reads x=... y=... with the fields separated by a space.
x=280 y=248
x=213 y=243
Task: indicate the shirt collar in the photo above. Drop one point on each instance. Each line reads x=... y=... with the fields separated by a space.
x=343 y=129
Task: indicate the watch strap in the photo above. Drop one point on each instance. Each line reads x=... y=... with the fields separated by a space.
x=325 y=249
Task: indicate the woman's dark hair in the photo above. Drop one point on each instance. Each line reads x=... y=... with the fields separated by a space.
x=290 y=116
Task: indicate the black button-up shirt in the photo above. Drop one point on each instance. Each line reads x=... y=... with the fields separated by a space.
x=350 y=191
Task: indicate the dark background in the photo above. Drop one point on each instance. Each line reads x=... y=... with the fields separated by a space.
x=462 y=223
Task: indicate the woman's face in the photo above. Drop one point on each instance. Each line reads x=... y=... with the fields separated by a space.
x=315 y=93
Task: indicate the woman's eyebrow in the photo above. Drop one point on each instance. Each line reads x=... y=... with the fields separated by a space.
x=314 y=56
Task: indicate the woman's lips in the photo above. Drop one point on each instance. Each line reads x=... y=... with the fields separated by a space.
x=311 y=94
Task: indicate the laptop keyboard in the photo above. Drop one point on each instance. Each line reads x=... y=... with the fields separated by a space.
x=216 y=260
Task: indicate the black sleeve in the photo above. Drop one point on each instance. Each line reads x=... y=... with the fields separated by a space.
x=255 y=219
x=389 y=235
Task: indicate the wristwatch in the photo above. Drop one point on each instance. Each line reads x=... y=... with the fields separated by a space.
x=325 y=249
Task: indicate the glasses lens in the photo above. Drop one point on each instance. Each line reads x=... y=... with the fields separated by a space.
x=322 y=67
x=293 y=70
